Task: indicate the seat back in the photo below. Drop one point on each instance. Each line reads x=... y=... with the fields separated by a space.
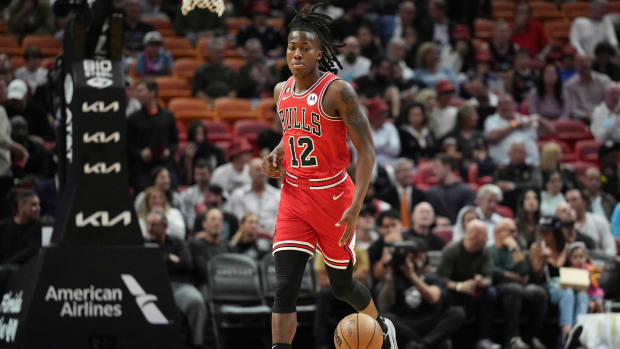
x=483 y=29
x=504 y=211
x=587 y=150
x=503 y=10
x=186 y=67
x=49 y=45
x=445 y=233
x=249 y=128
x=187 y=104
x=544 y=11
x=558 y=30
x=179 y=47
x=264 y=109
x=576 y=9
x=233 y=108
x=234 y=278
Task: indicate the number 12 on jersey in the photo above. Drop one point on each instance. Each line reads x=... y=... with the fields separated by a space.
x=306 y=158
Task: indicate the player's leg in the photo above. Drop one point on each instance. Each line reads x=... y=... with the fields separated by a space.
x=290 y=266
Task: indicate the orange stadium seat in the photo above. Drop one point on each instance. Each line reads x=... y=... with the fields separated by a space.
x=10 y=45
x=558 y=30
x=217 y=131
x=249 y=129
x=202 y=46
x=503 y=10
x=587 y=150
x=158 y=23
x=571 y=130
x=180 y=48
x=483 y=29
x=188 y=108
x=544 y=11
x=234 y=24
x=235 y=63
x=576 y=9
x=17 y=62
x=264 y=109
x=277 y=23
x=186 y=67
x=171 y=87
x=50 y=46
x=233 y=109
x=614 y=6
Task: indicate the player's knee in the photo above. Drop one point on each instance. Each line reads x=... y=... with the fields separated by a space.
x=342 y=290
x=285 y=296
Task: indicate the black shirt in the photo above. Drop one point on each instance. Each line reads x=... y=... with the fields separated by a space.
x=432 y=241
x=202 y=250
x=133 y=37
x=269 y=37
x=448 y=200
x=612 y=70
x=156 y=132
x=216 y=80
x=36 y=115
x=371 y=88
x=409 y=301
x=269 y=139
x=177 y=271
x=501 y=61
x=19 y=242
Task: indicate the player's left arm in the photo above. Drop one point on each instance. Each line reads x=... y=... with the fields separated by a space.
x=347 y=107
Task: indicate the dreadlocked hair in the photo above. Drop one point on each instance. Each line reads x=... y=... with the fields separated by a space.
x=319 y=23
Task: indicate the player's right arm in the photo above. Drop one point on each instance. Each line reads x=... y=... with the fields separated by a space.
x=271 y=162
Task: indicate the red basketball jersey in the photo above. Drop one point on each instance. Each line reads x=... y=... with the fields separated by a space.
x=314 y=143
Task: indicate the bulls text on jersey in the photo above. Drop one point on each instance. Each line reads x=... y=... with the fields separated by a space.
x=291 y=118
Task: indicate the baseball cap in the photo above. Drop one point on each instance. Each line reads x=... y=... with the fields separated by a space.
x=608 y=147
x=17 y=89
x=153 y=36
x=461 y=33
x=376 y=107
x=238 y=147
x=444 y=86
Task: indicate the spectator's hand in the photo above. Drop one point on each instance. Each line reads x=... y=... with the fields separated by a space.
x=272 y=163
x=146 y=155
x=173 y=258
x=510 y=242
x=506 y=186
x=525 y=279
x=190 y=150
x=468 y=287
x=393 y=235
x=546 y=252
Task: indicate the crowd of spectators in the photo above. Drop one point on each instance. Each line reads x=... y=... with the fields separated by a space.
x=469 y=164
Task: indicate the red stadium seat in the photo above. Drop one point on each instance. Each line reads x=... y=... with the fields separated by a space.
x=483 y=29
x=445 y=233
x=10 y=45
x=571 y=130
x=587 y=150
x=180 y=48
x=426 y=174
x=264 y=109
x=545 y=11
x=217 y=131
x=504 y=211
x=170 y=87
x=186 y=68
x=503 y=10
x=558 y=30
x=576 y=9
x=580 y=167
x=249 y=129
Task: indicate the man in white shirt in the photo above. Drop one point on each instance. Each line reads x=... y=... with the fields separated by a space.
x=443 y=115
x=259 y=198
x=32 y=73
x=384 y=133
x=194 y=195
x=507 y=126
x=236 y=173
x=586 y=33
x=353 y=65
x=487 y=199
x=586 y=89
x=606 y=116
x=594 y=226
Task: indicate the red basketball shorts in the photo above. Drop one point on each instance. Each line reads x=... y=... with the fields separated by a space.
x=307 y=216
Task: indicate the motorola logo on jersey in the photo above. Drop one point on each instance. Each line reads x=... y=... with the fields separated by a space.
x=312 y=99
x=293 y=118
x=102 y=168
x=100 y=107
x=102 y=137
x=102 y=219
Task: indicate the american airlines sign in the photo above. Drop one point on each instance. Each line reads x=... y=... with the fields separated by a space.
x=102 y=137
x=100 y=107
x=102 y=219
x=102 y=168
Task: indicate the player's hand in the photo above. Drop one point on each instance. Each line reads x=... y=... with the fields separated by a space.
x=349 y=217
x=272 y=164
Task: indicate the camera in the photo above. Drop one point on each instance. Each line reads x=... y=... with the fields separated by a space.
x=400 y=250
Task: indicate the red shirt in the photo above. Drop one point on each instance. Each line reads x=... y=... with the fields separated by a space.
x=533 y=38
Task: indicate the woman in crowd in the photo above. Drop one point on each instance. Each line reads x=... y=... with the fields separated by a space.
x=155 y=197
x=369 y=43
x=549 y=99
x=460 y=53
x=428 y=69
x=160 y=178
x=198 y=147
x=246 y=240
x=528 y=215
x=416 y=140
x=546 y=258
x=552 y=196
x=551 y=160
x=466 y=215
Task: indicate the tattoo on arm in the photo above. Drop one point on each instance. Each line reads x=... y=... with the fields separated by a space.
x=352 y=115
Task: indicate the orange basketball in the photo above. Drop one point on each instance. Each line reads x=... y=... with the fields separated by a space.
x=358 y=331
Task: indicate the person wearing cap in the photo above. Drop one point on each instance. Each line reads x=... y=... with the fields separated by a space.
x=384 y=133
x=567 y=62
x=134 y=29
x=606 y=116
x=443 y=115
x=20 y=102
x=235 y=173
x=529 y=33
x=429 y=69
x=610 y=170
x=154 y=60
x=32 y=73
x=586 y=33
x=353 y=65
x=270 y=38
x=586 y=89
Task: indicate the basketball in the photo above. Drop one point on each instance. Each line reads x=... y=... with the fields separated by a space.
x=358 y=331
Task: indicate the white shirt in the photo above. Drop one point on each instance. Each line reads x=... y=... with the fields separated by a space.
x=492 y=100
x=605 y=124
x=244 y=200
x=585 y=34
x=599 y=230
x=528 y=136
x=352 y=71
x=34 y=79
x=548 y=203
x=420 y=137
x=596 y=205
x=5 y=144
x=229 y=179
x=387 y=143
x=189 y=198
x=441 y=34
x=176 y=224
x=408 y=73
x=490 y=224
x=443 y=121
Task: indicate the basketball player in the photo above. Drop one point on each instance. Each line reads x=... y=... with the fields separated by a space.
x=319 y=204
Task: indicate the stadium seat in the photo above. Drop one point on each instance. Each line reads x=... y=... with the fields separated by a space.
x=571 y=130
x=187 y=109
x=483 y=29
x=587 y=150
x=232 y=109
x=234 y=24
x=10 y=45
x=504 y=211
x=614 y=7
x=576 y=9
x=235 y=63
x=158 y=23
x=264 y=109
x=249 y=129
x=503 y=10
x=182 y=129
x=445 y=233
x=580 y=167
x=186 y=67
x=17 y=62
x=217 y=131
x=50 y=46
x=171 y=87
x=276 y=22
x=180 y=48
x=558 y=30
x=544 y=11
x=235 y=296
x=425 y=175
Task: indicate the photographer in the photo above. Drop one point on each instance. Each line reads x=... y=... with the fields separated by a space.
x=416 y=302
